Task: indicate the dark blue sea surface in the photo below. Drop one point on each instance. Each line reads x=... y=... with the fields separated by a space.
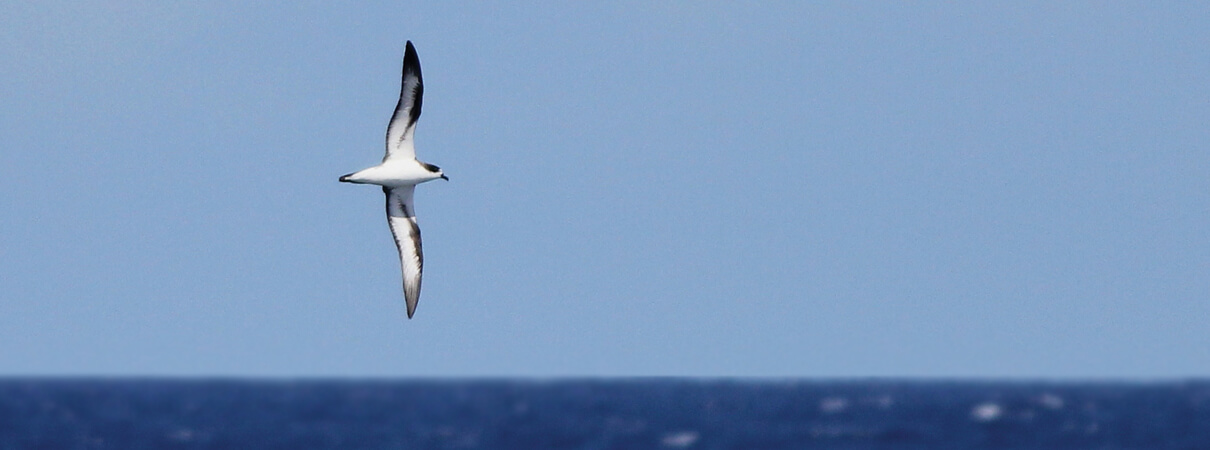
x=600 y=414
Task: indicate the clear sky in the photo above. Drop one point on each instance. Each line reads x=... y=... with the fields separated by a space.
x=924 y=189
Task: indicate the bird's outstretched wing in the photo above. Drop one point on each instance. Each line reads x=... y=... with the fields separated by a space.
x=407 y=111
x=401 y=216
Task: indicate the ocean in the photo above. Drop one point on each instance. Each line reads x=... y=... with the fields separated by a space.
x=672 y=413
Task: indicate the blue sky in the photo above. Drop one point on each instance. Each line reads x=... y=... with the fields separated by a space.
x=674 y=188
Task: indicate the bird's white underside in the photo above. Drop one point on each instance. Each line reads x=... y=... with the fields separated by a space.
x=394 y=172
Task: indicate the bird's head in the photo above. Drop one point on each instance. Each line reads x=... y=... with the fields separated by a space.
x=436 y=171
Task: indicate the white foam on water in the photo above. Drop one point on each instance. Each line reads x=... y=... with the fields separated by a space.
x=832 y=405
x=884 y=402
x=1051 y=401
x=986 y=412
x=181 y=435
x=680 y=439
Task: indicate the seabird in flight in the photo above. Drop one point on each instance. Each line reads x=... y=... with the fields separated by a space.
x=399 y=174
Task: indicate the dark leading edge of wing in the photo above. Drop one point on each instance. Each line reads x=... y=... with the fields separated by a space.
x=407 y=111
x=410 y=99
x=406 y=233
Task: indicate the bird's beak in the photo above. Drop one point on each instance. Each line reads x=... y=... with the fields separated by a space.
x=443 y=177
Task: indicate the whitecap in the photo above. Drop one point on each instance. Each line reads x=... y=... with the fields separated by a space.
x=680 y=439
x=832 y=405
x=986 y=412
x=1051 y=401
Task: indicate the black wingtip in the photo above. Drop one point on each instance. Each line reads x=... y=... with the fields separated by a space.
x=409 y=54
x=345 y=178
x=411 y=68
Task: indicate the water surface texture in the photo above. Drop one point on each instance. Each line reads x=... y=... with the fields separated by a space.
x=601 y=414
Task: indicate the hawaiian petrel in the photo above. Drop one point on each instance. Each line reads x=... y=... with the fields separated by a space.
x=399 y=174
